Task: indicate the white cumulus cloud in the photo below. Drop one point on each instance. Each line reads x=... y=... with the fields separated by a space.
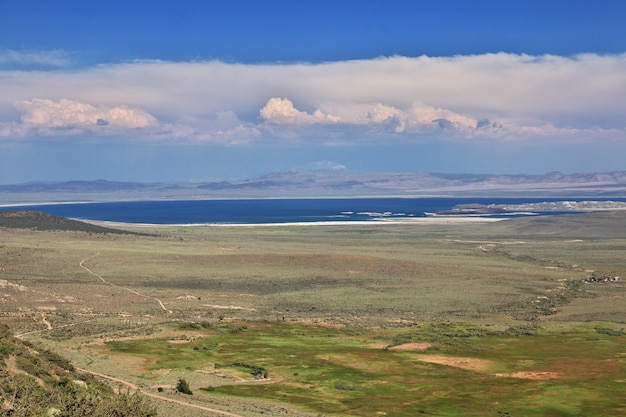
x=46 y=115
x=416 y=118
x=282 y=111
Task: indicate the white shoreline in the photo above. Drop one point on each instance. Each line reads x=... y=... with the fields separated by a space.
x=377 y=222
x=54 y=203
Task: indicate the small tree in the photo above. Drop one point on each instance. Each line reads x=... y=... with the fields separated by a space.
x=183 y=386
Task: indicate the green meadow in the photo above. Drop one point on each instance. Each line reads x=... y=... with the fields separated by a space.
x=446 y=369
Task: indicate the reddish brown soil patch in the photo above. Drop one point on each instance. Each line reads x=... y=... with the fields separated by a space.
x=586 y=368
x=531 y=375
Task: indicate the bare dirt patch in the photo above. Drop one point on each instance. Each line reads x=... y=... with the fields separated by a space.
x=471 y=364
x=411 y=346
x=178 y=342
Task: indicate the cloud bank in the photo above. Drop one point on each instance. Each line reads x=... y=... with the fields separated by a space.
x=488 y=97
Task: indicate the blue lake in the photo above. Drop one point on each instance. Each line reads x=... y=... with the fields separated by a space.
x=263 y=211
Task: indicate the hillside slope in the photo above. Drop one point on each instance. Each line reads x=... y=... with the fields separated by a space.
x=38 y=382
x=29 y=219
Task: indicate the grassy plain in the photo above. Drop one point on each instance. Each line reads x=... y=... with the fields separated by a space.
x=352 y=320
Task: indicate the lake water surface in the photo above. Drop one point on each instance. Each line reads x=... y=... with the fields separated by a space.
x=264 y=211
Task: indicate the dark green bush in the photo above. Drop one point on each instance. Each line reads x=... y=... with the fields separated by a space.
x=610 y=332
x=183 y=386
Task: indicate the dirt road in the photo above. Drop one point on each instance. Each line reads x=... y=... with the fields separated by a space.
x=159 y=397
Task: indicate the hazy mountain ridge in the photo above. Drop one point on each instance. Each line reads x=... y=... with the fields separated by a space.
x=330 y=184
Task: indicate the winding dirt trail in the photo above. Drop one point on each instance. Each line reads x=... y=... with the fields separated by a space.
x=159 y=397
x=45 y=321
x=82 y=265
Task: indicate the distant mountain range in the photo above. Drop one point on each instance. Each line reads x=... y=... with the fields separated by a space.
x=330 y=184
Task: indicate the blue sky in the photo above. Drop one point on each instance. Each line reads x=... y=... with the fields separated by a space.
x=181 y=91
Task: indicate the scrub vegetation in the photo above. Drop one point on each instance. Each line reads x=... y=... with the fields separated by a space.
x=407 y=319
x=39 y=382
